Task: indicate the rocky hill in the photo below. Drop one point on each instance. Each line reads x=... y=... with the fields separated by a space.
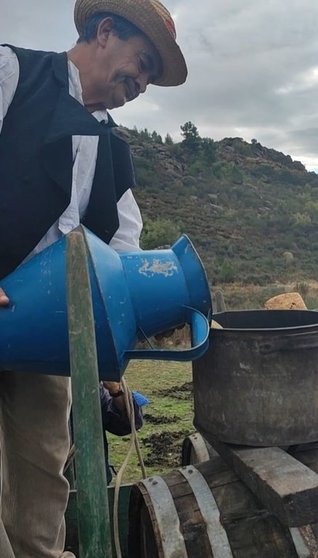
x=251 y=211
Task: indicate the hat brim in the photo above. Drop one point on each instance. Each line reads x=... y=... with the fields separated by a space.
x=143 y=15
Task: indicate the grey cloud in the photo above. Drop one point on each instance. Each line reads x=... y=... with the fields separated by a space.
x=251 y=68
x=304 y=138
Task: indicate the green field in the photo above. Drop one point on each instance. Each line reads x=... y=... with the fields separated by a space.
x=168 y=417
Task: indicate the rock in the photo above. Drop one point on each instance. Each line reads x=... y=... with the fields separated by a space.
x=286 y=301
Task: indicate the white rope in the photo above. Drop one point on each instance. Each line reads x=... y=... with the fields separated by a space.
x=133 y=442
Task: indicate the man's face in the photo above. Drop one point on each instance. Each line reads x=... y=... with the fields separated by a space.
x=121 y=70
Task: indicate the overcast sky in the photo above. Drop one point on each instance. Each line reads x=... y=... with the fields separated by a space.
x=253 y=68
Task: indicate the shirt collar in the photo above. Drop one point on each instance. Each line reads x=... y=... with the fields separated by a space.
x=75 y=90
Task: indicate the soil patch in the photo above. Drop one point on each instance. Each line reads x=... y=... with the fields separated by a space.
x=164 y=448
x=178 y=392
x=160 y=420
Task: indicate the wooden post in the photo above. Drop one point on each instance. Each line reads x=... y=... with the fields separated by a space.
x=92 y=501
x=287 y=487
x=72 y=520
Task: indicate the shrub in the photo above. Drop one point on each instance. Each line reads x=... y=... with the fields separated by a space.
x=226 y=272
x=158 y=232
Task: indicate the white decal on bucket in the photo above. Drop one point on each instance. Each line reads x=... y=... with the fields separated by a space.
x=164 y=268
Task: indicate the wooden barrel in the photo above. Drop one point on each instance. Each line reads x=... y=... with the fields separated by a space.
x=195 y=449
x=206 y=512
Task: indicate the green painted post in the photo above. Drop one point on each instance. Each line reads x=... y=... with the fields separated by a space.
x=72 y=520
x=92 y=500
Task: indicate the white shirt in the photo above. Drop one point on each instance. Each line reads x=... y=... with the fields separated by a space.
x=127 y=236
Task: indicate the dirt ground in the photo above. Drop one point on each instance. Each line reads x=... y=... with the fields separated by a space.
x=164 y=448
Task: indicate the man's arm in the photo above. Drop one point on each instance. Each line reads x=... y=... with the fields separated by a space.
x=114 y=414
x=126 y=238
x=9 y=76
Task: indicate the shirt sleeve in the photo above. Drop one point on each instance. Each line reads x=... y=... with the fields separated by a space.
x=115 y=420
x=9 y=76
x=127 y=235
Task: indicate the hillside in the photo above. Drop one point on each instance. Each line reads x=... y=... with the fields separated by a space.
x=251 y=211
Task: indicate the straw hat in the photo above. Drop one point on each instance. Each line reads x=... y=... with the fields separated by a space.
x=154 y=20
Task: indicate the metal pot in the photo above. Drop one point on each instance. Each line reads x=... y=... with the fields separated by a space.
x=258 y=383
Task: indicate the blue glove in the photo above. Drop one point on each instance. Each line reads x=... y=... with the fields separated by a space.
x=140 y=399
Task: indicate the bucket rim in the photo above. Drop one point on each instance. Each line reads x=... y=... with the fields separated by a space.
x=295 y=328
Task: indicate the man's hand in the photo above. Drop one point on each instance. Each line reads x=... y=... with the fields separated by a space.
x=4 y=301
x=114 y=388
x=117 y=394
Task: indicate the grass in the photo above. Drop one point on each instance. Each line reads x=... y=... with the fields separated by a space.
x=168 y=417
x=238 y=296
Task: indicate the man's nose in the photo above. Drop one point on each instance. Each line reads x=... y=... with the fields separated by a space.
x=143 y=81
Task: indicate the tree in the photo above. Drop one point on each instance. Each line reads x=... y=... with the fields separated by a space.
x=191 y=136
x=168 y=140
x=144 y=134
x=208 y=150
x=156 y=137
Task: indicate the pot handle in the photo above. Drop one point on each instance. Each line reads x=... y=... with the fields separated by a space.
x=200 y=329
x=292 y=342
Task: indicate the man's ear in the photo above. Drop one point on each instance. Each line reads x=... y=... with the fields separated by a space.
x=103 y=30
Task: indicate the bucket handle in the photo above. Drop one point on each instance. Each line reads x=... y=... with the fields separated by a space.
x=292 y=342
x=200 y=329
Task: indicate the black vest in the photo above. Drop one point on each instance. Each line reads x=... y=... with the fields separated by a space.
x=36 y=159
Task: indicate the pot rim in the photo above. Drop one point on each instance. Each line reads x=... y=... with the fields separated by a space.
x=294 y=328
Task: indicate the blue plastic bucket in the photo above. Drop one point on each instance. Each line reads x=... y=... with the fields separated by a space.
x=134 y=294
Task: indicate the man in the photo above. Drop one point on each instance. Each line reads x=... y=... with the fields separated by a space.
x=115 y=417
x=61 y=163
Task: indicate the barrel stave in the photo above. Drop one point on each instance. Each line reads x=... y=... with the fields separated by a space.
x=143 y=535
x=192 y=525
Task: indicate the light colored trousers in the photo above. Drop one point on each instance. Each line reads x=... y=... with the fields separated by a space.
x=34 y=442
